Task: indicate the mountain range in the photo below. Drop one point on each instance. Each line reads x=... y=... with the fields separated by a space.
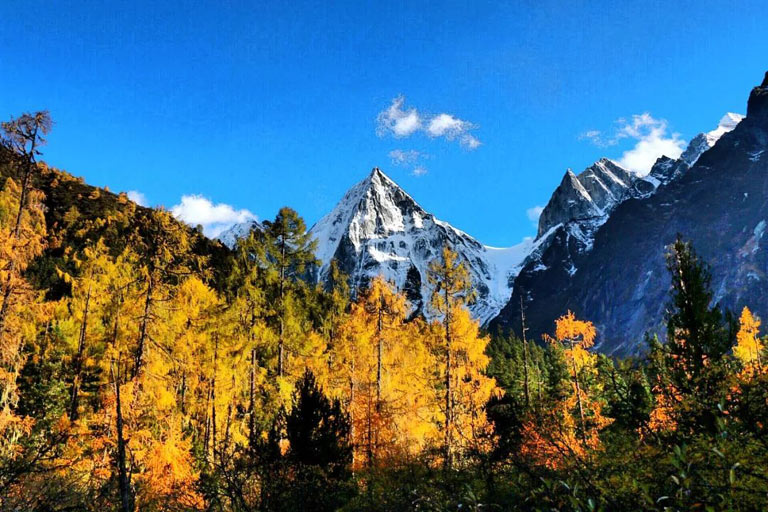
x=600 y=244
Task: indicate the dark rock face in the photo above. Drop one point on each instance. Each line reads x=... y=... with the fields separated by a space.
x=621 y=284
x=757 y=106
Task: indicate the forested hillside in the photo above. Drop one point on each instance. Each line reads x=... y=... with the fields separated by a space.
x=144 y=367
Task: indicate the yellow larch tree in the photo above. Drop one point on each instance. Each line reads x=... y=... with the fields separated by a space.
x=460 y=351
x=749 y=346
x=381 y=368
x=470 y=387
x=82 y=327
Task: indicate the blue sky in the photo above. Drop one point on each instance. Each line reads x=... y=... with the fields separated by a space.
x=259 y=105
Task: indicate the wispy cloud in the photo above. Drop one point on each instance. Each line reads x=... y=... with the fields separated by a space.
x=215 y=218
x=534 y=213
x=399 y=121
x=470 y=141
x=406 y=156
x=596 y=138
x=652 y=136
x=137 y=197
x=409 y=158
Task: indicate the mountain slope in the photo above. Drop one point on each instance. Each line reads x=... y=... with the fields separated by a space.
x=378 y=229
x=230 y=236
x=621 y=283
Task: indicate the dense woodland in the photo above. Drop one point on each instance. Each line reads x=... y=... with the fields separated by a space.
x=145 y=367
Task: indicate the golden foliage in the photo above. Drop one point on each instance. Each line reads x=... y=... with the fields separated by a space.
x=749 y=346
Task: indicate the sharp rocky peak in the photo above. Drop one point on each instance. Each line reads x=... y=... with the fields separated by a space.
x=378 y=229
x=588 y=196
x=378 y=193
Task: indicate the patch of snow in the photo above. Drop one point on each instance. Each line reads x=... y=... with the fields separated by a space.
x=727 y=123
x=653 y=181
x=759 y=231
x=236 y=232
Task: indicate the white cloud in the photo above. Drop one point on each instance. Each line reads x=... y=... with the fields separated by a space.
x=401 y=122
x=419 y=171
x=137 y=197
x=470 y=141
x=534 y=213
x=652 y=141
x=398 y=121
x=406 y=157
x=595 y=137
x=215 y=218
x=445 y=125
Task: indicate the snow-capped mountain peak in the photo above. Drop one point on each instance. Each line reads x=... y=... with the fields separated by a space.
x=373 y=208
x=378 y=229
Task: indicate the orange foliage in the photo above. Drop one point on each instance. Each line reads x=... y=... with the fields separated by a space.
x=662 y=418
x=572 y=427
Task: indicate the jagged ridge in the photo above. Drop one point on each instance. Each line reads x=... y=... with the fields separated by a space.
x=713 y=194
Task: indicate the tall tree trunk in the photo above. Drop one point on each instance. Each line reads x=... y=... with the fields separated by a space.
x=143 y=329
x=78 y=369
x=371 y=454
x=207 y=434
x=124 y=480
x=281 y=341
x=228 y=429
x=578 y=398
x=183 y=392
x=351 y=409
x=252 y=400
x=379 y=353
x=448 y=385
x=213 y=396
x=525 y=356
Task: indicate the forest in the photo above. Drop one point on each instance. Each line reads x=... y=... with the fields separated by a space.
x=146 y=367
